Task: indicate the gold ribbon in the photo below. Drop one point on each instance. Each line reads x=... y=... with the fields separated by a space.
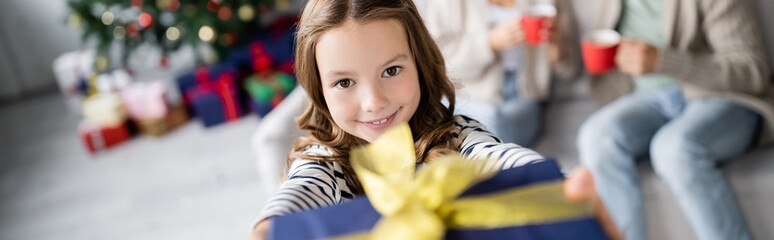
x=422 y=206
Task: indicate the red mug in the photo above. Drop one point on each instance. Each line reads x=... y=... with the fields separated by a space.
x=599 y=48
x=536 y=21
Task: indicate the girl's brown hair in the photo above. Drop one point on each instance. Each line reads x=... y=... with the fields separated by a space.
x=432 y=123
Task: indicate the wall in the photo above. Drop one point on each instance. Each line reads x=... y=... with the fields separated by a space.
x=32 y=34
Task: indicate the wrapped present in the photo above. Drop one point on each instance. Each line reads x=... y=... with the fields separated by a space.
x=215 y=101
x=449 y=198
x=71 y=70
x=104 y=109
x=203 y=75
x=113 y=81
x=175 y=116
x=99 y=137
x=287 y=67
x=150 y=108
x=267 y=90
x=145 y=100
x=76 y=77
x=268 y=51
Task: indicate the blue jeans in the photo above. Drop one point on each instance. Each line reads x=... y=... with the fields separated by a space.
x=685 y=140
x=515 y=120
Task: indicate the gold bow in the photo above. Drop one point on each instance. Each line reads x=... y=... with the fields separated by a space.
x=422 y=206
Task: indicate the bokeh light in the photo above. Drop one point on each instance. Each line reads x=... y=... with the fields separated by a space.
x=119 y=32
x=246 y=13
x=206 y=33
x=145 y=20
x=173 y=33
x=107 y=18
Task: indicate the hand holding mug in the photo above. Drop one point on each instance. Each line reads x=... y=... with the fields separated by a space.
x=538 y=21
x=599 y=50
x=506 y=35
x=637 y=57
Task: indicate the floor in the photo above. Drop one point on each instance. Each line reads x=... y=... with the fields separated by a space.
x=193 y=183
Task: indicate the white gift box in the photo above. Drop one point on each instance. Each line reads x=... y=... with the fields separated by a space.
x=69 y=70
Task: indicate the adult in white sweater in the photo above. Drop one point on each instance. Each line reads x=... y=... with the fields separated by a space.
x=502 y=80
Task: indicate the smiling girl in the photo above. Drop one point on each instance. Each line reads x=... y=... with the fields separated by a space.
x=367 y=66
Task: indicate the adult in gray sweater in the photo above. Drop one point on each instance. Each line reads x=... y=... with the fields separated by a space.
x=691 y=90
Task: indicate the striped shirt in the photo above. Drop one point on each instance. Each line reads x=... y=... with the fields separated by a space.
x=311 y=184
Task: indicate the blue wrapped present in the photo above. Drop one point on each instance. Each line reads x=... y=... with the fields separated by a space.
x=450 y=197
x=359 y=215
x=208 y=74
x=215 y=101
x=267 y=51
x=260 y=108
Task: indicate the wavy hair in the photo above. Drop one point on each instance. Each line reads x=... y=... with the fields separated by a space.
x=432 y=123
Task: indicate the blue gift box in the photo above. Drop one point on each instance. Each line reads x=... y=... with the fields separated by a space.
x=209 y=109
x=359 y=216
x=188 y=80
x=215 y=101
x=260 y=108
x=279 y=47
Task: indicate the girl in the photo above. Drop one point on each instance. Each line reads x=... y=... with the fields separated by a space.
x=367 y=66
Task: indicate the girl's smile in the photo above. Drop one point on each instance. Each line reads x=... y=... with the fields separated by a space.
x=378 y=124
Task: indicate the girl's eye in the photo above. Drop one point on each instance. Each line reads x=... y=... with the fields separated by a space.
x=391 y=71
x=343 y=83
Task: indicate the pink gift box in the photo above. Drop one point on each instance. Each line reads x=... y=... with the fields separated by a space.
x=145 y=100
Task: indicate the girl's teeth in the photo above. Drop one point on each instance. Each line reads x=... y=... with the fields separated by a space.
x=380 y=122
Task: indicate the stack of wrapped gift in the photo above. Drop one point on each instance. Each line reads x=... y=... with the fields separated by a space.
x=104 y=123
x=267 y=90
x=211 y=94
x=271 y=82
x=449 y=197
x=150 y=110
x=267 y=66
x=77 y=78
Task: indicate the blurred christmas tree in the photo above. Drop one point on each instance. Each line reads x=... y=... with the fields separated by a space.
x=168 y=24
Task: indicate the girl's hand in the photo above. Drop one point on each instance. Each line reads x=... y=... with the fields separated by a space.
x=506 y=35
x=579 y=186
x=260 y=230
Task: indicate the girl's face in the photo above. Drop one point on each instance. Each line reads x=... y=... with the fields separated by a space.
x=369 y=79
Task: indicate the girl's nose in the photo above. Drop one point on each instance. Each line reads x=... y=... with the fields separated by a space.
x=375 y=99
